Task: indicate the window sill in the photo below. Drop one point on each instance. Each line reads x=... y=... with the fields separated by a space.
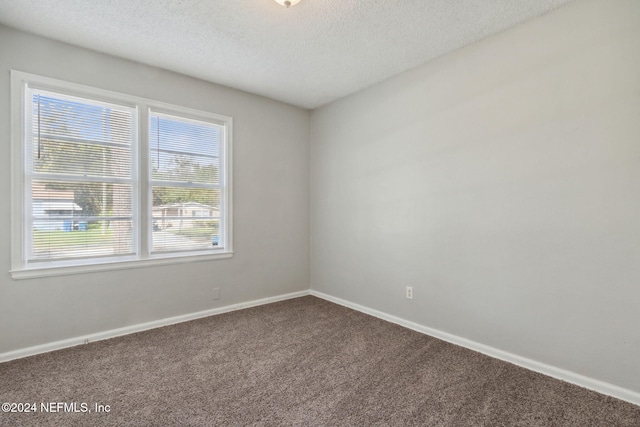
x=33 y=273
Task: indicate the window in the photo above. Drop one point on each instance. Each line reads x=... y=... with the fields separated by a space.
x=185 y=182
x=105 y=180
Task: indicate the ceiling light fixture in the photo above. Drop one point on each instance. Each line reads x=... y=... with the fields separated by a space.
x=287 y=3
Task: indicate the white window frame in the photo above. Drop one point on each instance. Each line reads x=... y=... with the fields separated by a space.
x=142 y=209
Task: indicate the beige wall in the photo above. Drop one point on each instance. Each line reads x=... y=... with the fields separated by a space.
x=270 y=207
x=502 y=182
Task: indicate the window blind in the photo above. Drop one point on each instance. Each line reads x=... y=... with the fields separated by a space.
x=186 y=183
x=79 y=178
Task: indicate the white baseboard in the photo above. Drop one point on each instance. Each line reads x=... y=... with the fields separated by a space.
x=552 y=371
x=71 y=342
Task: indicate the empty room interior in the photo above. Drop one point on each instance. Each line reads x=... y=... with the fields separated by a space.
x=320 y=212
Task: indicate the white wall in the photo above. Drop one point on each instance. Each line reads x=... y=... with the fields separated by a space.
x=502 y=182
x=271 y=198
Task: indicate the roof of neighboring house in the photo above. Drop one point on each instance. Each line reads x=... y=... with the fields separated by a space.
x=161 y=211
x=59 y=206
x=40 y=192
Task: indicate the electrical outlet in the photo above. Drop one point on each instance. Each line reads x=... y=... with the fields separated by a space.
x=216 y=293
x=409 y=292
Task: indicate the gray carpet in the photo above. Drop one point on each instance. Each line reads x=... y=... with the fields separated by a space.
x=299 y=362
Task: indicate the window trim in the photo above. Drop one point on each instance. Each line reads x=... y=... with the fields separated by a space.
x=144 y=256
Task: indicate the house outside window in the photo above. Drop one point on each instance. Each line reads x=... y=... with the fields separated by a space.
x=105 y=180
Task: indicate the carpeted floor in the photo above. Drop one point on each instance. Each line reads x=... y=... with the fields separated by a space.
x=299 y=362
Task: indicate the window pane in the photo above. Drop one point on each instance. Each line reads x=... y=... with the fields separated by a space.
x=185 y=152
x=66 y=118
x=81 y=190
x=184 y=136
x=55 y=238
x=174 y=195
x=184 y=168
x=72 y=158
x=80 y=199
x=76 y=219
x=185 y=218
x=186 y=234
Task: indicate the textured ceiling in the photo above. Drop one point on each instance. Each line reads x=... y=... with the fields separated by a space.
x=307 y=55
